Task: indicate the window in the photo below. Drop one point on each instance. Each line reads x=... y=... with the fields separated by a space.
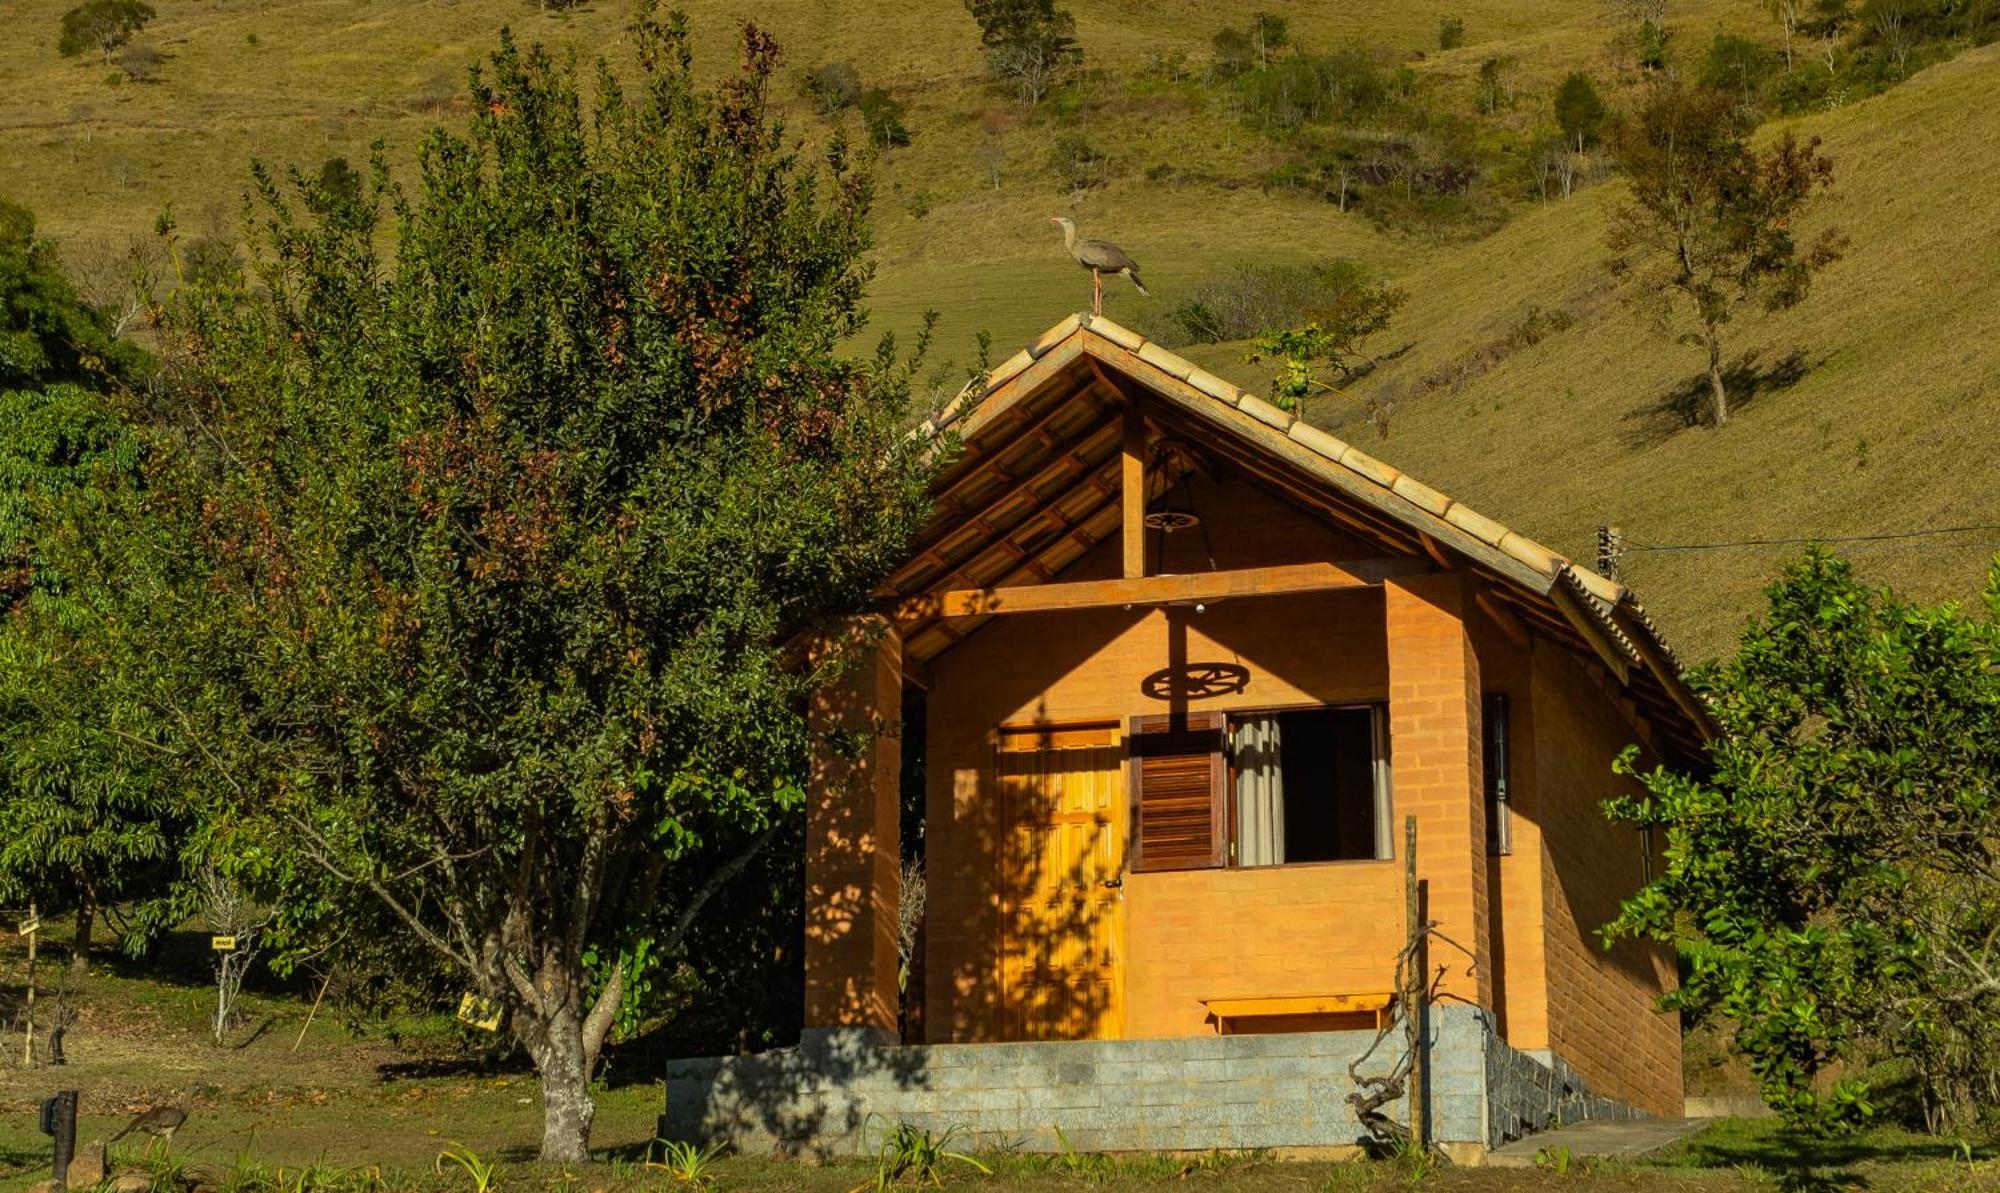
x=1495 y=752
x=1260 y=789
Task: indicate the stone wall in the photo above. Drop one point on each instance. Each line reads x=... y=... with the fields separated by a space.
x=839 y=1093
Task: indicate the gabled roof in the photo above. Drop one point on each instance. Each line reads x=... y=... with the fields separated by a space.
x=1034 y=486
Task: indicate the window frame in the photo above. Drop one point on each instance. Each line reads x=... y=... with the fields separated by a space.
x=1379 y=769
x=1497 y=791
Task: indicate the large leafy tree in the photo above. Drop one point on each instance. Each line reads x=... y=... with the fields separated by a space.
x=1833 y=882
x=1711 y=225
x=497 y=546
x=79 y=825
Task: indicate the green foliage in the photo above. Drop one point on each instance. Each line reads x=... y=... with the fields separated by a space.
x=882 y=115
x=1711 y=222
x=831 y=87
x=1030 y=44
x=488 y=539
x=686 y=1164
x=482 y=1175
x=1352 y=307
x=1738 y=66
x=78 y=826
x=1451 y=32
x=1269 y=33
x=1306 y=89
x=1077 y=164
x=1832 y=876
x=102 y=25
x=1232 y=53
x=1491 y=88
x=1580 y=111
x=914 y=1156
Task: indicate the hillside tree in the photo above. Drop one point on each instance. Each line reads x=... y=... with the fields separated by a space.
x=495 y=538
x=1030 y=44
x=1580 y=111
x=1351 y=306
x=1710 y=226
x=1269 y=33
x=1832 y=876
x=102 y=25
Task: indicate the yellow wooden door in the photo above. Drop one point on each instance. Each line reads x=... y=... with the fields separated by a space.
x=1062 y=948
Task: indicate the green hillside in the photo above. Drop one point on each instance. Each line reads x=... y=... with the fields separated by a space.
x=1887 y=427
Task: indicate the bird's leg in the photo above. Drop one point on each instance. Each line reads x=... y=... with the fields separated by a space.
x=1096 y=293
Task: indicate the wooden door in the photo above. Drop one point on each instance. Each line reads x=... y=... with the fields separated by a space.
x=1062 y=950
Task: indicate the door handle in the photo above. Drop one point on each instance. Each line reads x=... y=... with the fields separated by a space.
x=1112 y=883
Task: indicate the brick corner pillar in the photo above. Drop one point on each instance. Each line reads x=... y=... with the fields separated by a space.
x=1436 y=770
x=853 y=839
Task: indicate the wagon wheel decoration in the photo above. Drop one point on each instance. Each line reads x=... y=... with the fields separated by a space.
x=1196 y=681
x=1172 y=520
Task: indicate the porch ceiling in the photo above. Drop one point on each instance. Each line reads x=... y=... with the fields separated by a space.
x=1033 y=485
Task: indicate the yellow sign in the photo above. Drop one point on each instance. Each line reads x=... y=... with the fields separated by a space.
x=222 y=944
x=479 y=1012
x=31 y=925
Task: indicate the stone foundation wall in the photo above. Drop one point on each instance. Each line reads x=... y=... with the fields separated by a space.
x=840 y=1093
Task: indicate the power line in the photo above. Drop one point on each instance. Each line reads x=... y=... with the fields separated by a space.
x=1627 y=545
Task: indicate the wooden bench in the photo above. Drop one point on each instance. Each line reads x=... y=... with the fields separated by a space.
x=1229 y=1013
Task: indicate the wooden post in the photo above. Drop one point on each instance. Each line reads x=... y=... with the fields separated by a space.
x=1413 y=987
x=315 y=1010
x=1610 y=546
x=1132 y=493
x=34 y=925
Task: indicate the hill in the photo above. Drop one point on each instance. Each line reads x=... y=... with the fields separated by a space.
x=1875 y=427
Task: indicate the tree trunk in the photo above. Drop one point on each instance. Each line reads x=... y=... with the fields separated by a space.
x=1719 y=397
x=86 y=926
x=567 y=1108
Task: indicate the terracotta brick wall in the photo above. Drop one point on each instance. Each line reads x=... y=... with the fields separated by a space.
x=1600 y=1014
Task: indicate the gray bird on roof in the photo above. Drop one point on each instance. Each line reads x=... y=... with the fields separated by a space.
x=1099 y=257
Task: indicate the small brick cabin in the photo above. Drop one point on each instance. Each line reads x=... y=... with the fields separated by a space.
x=1176 y=668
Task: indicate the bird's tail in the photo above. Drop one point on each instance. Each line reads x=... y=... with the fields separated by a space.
x=1138 y=285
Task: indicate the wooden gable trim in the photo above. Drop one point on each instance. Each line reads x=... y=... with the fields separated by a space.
x=1286 y=580
x=1281 y=446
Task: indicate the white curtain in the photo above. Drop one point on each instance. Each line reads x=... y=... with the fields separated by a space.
x=1384 y=805
x=1260 y=793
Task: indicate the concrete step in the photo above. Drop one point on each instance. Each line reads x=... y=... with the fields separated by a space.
x=1611 y=1138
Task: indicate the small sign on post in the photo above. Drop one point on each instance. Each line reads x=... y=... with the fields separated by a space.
x=30 y=926
x=222 y=944
x=478 y=1012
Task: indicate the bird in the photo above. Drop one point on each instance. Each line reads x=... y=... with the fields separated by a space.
x=1099 y=257
x=160 y=1122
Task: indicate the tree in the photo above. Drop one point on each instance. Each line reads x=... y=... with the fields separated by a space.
x=1232 y=52
x=1580 y=111
x=1709 y=227
x=79 y=824
x=1030 y=43
x=1353 y=307
x=1650 y=19
x=1832 y=875
x=1451 y=32
x=1491 y=89
x=1269 y=33
x=1789 y=14
x=882 y=115
x=491 y=542
x=102 y=25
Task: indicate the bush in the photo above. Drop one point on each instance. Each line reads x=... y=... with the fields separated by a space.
x=1296 y=92
x=1738 y=66
x=1233 y=55
x=140 y=62
x=1451 y=32
x=883 y=114
x=1251 y=300
x=831 y=86
x=1076 y=163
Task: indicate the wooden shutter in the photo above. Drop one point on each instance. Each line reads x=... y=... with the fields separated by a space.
x=1178 y=783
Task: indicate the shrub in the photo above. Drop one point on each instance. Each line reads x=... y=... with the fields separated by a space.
x=1296 y=92
x=1251 y=300
x=883 y=114
x=1451 y=32
x=831 y=86
x=1233 y=55
x=140 y=62
x=1076 y=163
x=1738 y=66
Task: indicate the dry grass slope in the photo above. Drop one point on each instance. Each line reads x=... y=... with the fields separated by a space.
x=1887 y=428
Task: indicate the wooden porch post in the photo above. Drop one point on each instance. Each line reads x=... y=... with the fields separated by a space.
x=1132 y=492
x=853 y=841
x=1436 y=768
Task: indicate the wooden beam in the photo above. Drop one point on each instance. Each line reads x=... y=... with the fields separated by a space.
x=1132 y=490
x=1194 y=587
x=1591 y=632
